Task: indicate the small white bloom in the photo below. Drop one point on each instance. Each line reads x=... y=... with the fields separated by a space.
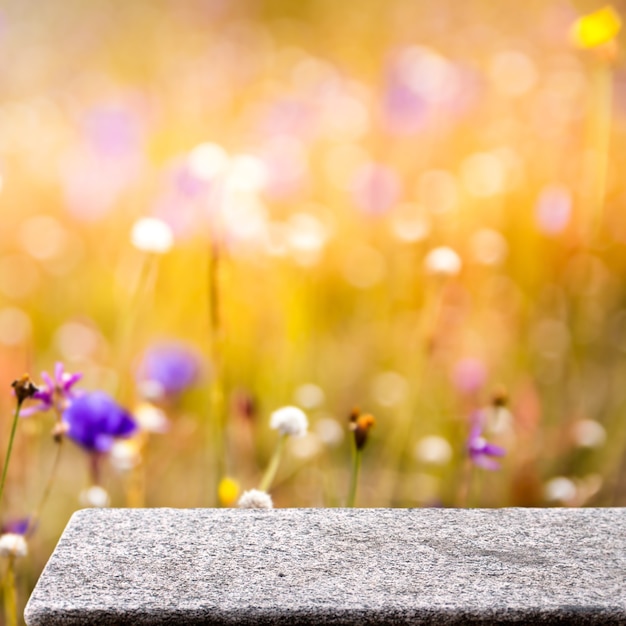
x=14 y=545
x=489 y=247
x=289 y=420
x=255 y=499
x=207 y=161
x=151 y=390
x=330 y=431
x=151 y=419
x=94 y=496
x=589 y=434
x=443 y=261
x=499 y=420
x=151 y=235
x=125 y=455
x=560 y=489
x=433 y=449
x=309 y=395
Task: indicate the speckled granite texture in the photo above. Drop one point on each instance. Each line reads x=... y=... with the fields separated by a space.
x=336 y=566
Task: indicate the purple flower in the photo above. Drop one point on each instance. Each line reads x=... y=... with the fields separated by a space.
x=167 y=370
x=114 y=130
x=94 y=420
x=405 y=112
x=479 y=450
x=55 y=392
x=16 y=526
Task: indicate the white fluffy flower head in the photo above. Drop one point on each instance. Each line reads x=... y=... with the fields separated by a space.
x=255 y=499
x=13 y=545
x=443 y=261
x=151 y=234
x=94 y=496
x=289 y=420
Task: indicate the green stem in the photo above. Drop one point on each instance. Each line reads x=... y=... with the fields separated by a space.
x=272 y=468
x=354 y=478
x=217 y=394
x=10 y=595
x=10 y=448
x=32 y=524
x=139 y=299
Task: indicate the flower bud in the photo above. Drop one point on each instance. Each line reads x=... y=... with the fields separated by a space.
x=24 y=388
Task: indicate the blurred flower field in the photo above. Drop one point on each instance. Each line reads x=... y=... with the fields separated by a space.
x=407 y=212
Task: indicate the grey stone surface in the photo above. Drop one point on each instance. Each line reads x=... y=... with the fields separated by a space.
x=336 y=566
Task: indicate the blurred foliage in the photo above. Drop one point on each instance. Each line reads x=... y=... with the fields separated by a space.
x=404 y=206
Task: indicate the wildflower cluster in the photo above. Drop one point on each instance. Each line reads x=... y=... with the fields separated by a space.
x=396 y=230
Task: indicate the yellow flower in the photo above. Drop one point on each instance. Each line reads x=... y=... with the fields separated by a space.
x=228 y=491
x=597 y=28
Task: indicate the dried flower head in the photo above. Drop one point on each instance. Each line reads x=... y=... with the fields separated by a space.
x=255 y=499
x=24 y=388
x=360 y=425
x=289 y=420
x=13 y=545
x=245 y=404
x=500 y=398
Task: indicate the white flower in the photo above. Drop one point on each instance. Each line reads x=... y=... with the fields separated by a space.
x=560 y=489
x=150 y=234
x=151 y=419
x=329 y=430
x=14 y=545
x=309 y=395
x=433 y=449
x=125 y=455
x=255 y=499
x=94 y=496
x=443 y=261
x=289 y=420
x=589 y=434
x=207 y=161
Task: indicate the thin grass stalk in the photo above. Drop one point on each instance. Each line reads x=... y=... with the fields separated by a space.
x=32 y=523
x=10 y=594
x=217 y=404
x=354 y=477
x=7 y=458
x=272 y=468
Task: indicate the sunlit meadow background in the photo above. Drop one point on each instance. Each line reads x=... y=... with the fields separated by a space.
x=317 y=152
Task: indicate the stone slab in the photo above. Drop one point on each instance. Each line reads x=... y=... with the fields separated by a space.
x=336 y=566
